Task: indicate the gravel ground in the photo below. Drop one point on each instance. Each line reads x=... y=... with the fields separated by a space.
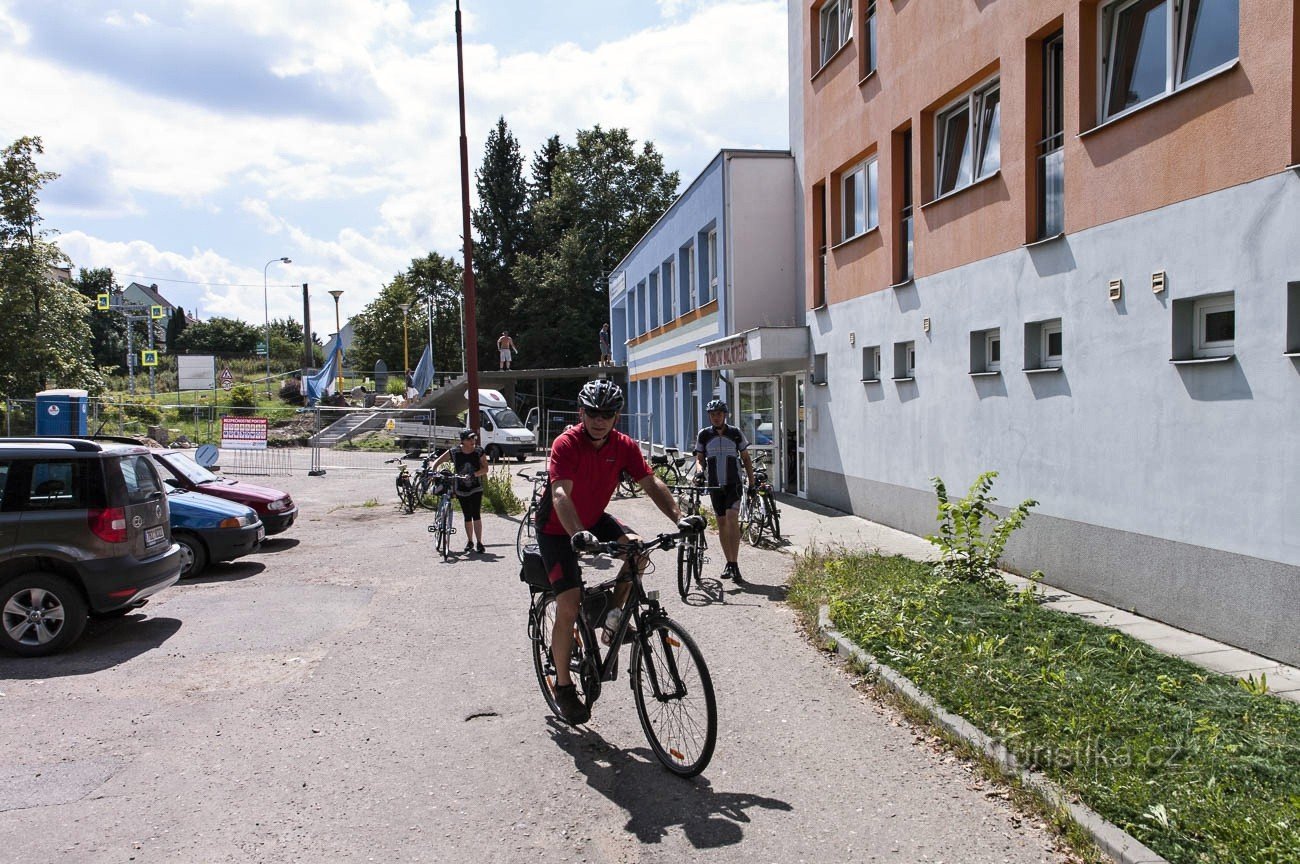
x=344 y=696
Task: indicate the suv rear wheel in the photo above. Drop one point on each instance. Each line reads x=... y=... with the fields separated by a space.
x=40 y=613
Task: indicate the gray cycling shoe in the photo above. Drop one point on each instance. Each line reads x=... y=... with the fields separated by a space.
x=571 y=707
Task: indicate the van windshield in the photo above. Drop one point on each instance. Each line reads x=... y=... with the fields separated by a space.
x=507 y=419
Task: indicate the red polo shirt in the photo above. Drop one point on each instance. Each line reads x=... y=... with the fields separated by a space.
x=595 y=473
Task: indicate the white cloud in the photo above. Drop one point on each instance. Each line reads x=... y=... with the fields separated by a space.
x=385 y=191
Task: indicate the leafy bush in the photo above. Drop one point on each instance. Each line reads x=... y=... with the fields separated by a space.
x=395 y=387
x=499 y=494
x=143 y=408
x=969 y=556
x=291 y=392
x=242 y=400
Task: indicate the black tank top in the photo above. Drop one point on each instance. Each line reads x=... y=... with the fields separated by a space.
x=467 y=463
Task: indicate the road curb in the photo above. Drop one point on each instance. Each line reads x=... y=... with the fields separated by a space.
x=1110 y=838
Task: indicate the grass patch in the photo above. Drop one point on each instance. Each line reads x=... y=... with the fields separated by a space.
x=371 y=441
x=1195 y=765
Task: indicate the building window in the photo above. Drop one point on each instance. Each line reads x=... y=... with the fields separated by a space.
x=1051 y=148
x=858 y=188
x=1215 y=326
x=819 y=369
x=906 y=239
x=869 y=58
x=904 y=361
x=690 y=279
x=969 y=136
x=641 y=320
x=669 y=295
x=653 y=301
x=711 y=257
x=871 y=363
x=986 y=351
x=820 y=231
x=836 y=27
x=1044 y=345
x=1153 y=47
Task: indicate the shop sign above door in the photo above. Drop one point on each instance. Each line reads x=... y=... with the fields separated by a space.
x=728 y=353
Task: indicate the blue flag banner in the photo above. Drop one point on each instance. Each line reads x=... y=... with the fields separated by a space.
x=324 y=382
x=422 y=377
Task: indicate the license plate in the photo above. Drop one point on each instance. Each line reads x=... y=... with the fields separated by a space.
x=261 y=534
x=153 y=536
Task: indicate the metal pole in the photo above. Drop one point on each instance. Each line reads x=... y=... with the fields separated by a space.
x=468 y=327
x=130 y=353
x=308 y=356
x=338 y=338
x=266 y=315
x=152 y=391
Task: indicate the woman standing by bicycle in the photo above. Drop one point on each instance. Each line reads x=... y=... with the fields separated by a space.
x=471 y=466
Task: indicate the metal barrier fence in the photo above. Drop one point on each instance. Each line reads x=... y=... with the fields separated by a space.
x=558 y=421
x=362 y=438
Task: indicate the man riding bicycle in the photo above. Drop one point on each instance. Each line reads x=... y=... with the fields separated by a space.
x=720 y=449
x=585 y=465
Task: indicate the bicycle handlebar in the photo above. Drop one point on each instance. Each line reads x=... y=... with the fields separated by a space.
x=619 y=548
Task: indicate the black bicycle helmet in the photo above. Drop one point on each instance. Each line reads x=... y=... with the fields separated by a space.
x=601 y=395
x=467 y=433
x=716 y=405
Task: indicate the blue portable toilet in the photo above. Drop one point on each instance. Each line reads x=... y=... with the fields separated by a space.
x=61 y=413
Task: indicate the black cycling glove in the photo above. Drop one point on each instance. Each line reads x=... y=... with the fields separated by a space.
x=582 y=541
x=691 y=524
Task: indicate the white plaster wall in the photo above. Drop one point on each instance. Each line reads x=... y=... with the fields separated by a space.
x=760 y=216
x=1121 y=438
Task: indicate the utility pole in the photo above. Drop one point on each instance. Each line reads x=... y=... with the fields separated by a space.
x=470 y=331
x=308 y=356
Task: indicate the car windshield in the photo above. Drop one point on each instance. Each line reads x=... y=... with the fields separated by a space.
x=188 y=468
x=508 y=419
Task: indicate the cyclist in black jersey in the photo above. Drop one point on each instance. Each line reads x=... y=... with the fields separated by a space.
x=720 y=450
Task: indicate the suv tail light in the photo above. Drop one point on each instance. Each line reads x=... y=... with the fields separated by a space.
x=108 y=524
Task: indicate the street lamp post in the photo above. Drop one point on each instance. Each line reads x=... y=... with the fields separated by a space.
x=406 y=351
x=266 y=314
x=338 y=332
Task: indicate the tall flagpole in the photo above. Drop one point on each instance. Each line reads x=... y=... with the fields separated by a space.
x=471 y=331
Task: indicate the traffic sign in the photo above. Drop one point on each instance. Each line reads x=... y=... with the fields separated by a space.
x=103 y=302
x=148 y=358
x=261 y=349
x=155 y=312
x=227 y=378
x=207 y=455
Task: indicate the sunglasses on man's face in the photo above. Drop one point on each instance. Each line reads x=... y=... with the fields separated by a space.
x=596 y=414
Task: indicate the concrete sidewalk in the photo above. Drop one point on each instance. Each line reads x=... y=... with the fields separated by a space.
x=805 y=525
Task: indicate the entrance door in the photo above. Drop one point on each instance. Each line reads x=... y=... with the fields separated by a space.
x=757 y=417
x=801 y=438
x=792 y=435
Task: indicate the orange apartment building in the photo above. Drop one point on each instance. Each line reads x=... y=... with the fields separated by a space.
x=1061 y=240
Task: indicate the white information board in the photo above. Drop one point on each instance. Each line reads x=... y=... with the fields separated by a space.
x=196 y=372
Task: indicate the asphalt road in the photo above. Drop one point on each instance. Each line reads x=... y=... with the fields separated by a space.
x=344 y=696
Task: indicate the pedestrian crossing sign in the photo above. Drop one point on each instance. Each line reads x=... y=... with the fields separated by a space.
x=148 y=358
x=102 y=302
x=155 y=312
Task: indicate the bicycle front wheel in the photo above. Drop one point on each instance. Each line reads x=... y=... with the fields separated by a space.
x=776 y=519
x=684 y=559
x=674 y=698
x=444 y=530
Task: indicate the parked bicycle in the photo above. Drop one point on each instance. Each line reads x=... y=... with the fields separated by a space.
x=760 y=518
x=671 y=466
x=690 y=552
x=528 y=525
x=440 y=487
x=670 y=681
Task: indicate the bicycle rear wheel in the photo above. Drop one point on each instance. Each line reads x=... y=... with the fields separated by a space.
x=525 y=535
x=775 y=522
x=674 y=698
x=541 y=626
x=405 y=494
x=684 y=569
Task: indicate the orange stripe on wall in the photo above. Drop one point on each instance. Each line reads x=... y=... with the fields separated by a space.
x=666 y=370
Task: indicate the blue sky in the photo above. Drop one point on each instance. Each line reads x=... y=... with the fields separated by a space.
x=198 y=139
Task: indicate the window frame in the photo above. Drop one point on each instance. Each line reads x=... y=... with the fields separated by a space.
x=871 y=363
x=1046 y=330
x=870 y=40
x=844 y=29
x=973 y=103
x=1175 y=53
x=869 y=170
x=992 y=337
x=692 y=277
x=1201 y=309
x=711 y=244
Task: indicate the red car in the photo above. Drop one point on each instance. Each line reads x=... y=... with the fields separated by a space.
x=275 y=508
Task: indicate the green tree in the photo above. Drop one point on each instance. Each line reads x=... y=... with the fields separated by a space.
x=176 y=325
x=45 y=335
x=432 y=281
x=501 y=223
x=604 y=194
x=107 y=329
x=219 y=336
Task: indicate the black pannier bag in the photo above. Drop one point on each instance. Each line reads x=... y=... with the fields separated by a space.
x=533 y=572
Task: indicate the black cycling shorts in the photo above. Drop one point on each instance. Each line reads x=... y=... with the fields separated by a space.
x=726 y=498
x=472 y=506
x=560 y=559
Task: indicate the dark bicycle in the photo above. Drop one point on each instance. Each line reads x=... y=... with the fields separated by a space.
x=760 y=518
x=528 y=525
x=440 y=486
x=690 y=552
x=670 y=682
x=671 y=466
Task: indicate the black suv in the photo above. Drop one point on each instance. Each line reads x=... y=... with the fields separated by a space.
x=84 y=530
